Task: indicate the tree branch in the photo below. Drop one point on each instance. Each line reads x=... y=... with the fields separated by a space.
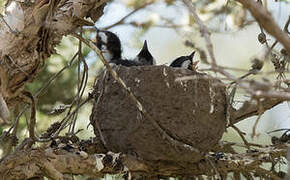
x=251 y=109
x=122 y=20
x=203 y=29
x=266 y=20
x=55 y=162
x=29 y=35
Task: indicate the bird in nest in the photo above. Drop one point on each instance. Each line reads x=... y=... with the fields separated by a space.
x=144 y=57
x=185 y=62
x=110 y=45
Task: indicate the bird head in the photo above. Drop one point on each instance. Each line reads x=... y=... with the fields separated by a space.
x=185 y=62
x=144 y=57
x=190 y=65
x=109 y=43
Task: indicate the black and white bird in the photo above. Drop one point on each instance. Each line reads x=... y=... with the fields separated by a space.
x=185 y=62
x=145 y=57
x=110 y=45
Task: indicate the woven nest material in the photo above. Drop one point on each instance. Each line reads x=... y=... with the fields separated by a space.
x=187 y=105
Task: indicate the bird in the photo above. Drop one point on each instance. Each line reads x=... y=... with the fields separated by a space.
x=144 y=57
x=185 y=62
x=110 y=45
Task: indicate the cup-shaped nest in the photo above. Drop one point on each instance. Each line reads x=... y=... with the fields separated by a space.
x=188 y=106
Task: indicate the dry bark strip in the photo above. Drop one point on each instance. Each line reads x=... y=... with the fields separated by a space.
x=29 y=32
x=55 y=163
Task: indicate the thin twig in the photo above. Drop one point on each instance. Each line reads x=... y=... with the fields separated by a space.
x=83 y=83
x=266 y=20
x=133 y=97
x=203 y=29
x=263 y=171
x=52 y=78
x=13 y=135
x=38 y=93
x=19 y=67
x=72 y=126
x=260 y=111
x=82 y=87
x=65 y=121
x=241 y=134
x=121 y=21
x=213 y=166
x=28 y=97
x=96 y=119
x=10 y=29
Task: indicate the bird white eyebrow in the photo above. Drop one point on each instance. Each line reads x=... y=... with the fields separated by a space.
x=104 y=37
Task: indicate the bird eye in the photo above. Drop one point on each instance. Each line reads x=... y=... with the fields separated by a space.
x=99 y=42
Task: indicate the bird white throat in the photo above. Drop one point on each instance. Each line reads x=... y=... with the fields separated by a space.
x=186 y=64
x=104 y=37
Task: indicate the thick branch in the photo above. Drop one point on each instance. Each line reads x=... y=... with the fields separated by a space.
x=251 y=109
x=35 y=163
x=40 y=162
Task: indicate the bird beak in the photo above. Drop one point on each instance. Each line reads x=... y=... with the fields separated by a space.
x=192 y=55
x=96 y=29
x=145 y=47
x=96 y=39
x=194 y=65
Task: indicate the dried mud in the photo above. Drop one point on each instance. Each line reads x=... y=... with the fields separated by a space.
x=192 y=111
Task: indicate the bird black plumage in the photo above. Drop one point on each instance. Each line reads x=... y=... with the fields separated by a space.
x=144 y=57
x=184 y=62
x=110 y=45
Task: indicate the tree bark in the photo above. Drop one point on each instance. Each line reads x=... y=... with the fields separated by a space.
x=29 y=33
x=56 y=162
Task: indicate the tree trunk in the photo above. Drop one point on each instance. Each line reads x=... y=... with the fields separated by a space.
x=29 y=33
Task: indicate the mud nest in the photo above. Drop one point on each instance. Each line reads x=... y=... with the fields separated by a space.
x=187 y=105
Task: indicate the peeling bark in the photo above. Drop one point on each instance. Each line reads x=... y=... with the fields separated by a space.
x=56 y=162
x=29 y=32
